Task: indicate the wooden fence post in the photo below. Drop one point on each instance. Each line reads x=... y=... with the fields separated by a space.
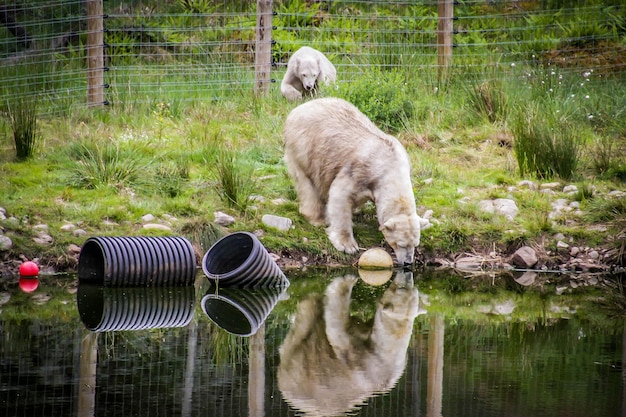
x=263 y=47
x=95 y=53
x=445 y=11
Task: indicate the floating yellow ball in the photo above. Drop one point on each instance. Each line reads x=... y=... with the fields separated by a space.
x=375 y=258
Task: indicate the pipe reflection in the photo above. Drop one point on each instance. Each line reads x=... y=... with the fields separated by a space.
x=240 y=311
x=329 y=364
x=104 y=308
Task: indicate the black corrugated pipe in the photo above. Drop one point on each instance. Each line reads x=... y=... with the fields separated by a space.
x=240 y=311
x=137 y=260
x=104 y=309
x=240 y=260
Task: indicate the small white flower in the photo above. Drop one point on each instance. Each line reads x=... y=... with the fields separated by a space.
x=512 y=64
x=587 y=96
x=590 y=117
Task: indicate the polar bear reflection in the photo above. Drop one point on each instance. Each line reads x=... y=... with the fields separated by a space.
x=328 y=365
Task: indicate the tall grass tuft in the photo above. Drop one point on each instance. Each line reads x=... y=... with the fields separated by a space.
x=545 y=145
x=487 y=98
x=233 y=180
x=23 y=117
x=96 y=165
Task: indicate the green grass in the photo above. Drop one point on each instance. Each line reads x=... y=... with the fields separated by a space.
x=190 y=159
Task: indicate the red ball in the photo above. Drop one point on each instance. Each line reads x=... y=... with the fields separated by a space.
x=29 y=269
x=28 y=284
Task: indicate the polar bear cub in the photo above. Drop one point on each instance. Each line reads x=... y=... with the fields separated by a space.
x=339 y=160
x=305 y=69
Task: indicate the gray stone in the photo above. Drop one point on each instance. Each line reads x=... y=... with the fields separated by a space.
x=157 y=226
x=5 y=243
x=277 y=222
x=570 y=189
x=505 y=207
x=147 y=218
x=223 y=219
x=562 y=245
x=68 y=227
x=79 y=232
x=524 y=257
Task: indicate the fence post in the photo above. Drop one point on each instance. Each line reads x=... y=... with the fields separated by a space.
x=263 y=47
x=95 y=53
x=444 y=36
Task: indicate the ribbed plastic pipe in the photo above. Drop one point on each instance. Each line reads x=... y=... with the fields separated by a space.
x=137 y=261
x=240 y=311
x=240 y=260
x=103 y=309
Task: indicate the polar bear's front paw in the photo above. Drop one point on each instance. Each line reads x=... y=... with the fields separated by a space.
x=343 y=241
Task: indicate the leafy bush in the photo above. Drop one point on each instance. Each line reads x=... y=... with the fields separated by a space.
x=382 y=97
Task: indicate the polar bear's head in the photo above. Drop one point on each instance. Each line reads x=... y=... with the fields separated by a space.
x=402 y=232
x=308 y=70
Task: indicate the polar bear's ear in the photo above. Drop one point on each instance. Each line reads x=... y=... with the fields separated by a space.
x=390 y=225
x=296 y=65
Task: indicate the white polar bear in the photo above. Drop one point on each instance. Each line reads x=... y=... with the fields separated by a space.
x=339 y=160
x=330 y=362
x=305 y=69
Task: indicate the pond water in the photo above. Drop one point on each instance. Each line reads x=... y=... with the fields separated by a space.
x=427 y=343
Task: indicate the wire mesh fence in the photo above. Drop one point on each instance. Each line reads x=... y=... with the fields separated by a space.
x=189 y=50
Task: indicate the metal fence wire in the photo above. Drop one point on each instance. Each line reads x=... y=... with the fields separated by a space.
x=66 y=53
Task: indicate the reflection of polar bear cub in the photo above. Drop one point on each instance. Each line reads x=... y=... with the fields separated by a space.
x=339 y=160
x=305 y=69
x=329 y=364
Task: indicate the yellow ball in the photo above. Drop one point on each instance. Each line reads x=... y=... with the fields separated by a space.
x=375 y=258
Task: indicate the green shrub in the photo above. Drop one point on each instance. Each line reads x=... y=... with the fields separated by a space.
x=382 y=96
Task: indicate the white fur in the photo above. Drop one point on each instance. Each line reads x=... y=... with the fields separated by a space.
x=306 y=68
x=339 y=160
x=330 y=363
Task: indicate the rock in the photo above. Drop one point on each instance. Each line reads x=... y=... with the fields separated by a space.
x=486 y=206
x=375 y=258
x=505 y=207
x=43 y=239
x=561 y=245
x=550 y=185
x=157 y=226
x=147 y=218
x=79 y=232
x=73 y=250
x=594 y=255
x=570 y=189
x=68 y=227
x=524 y=257
x=281 y=223
x=223 y=219
x=5 y=243
x=527 y=183
x=574 y=251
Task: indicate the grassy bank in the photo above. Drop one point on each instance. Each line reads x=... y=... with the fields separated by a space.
x=102 y=170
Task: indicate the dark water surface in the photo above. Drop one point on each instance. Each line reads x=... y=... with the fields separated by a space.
x=423 y=344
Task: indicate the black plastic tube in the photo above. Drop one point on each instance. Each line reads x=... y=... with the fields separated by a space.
x=137 y=261
x=240 y=260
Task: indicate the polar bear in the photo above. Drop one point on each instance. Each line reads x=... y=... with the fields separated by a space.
x=339 y=160
x=305 y=69
x=330 y=363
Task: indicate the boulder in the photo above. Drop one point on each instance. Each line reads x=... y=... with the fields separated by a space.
x=524 y=257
